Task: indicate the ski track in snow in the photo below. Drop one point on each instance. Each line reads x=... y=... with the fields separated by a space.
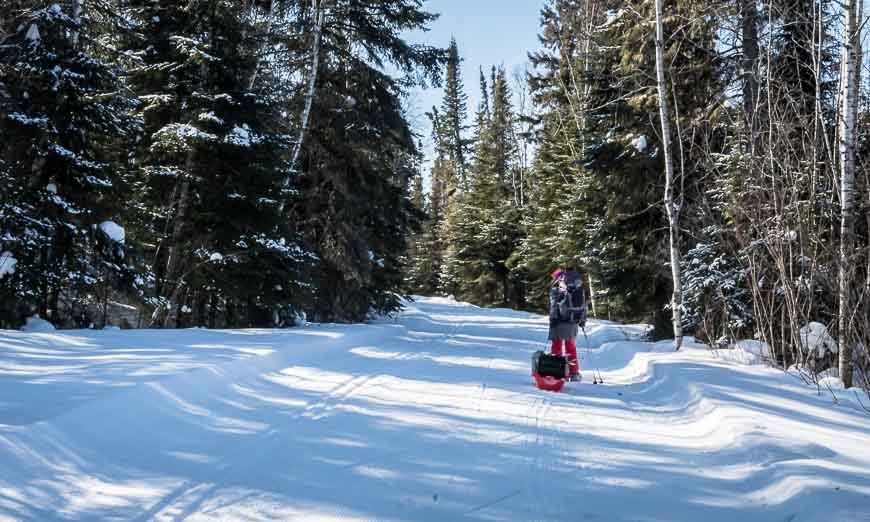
x=432 y=416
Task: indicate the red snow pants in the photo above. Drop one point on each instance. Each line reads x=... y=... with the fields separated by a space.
x=571 y=349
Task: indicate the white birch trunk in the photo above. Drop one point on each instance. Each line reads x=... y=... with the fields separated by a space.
x=850 y=80
x=672 y=210
x=309 y=97
x=269 y=25
x=592 y=296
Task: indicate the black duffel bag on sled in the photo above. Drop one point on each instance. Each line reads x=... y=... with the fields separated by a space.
x=547 y=365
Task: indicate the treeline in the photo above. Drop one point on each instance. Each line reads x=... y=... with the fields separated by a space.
x=209 y=162
x=479 y=192
x=771 y=188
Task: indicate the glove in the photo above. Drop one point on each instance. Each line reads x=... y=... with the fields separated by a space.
x=553 y=322
x=582 y=324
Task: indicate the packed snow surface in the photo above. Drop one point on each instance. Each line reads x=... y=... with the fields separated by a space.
x=36 y=324
x=431 y=416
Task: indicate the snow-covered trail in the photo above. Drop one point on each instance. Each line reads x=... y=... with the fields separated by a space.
x=430 y=417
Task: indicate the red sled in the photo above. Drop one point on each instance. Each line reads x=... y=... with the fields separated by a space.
x=549 y=383
x=550 y=371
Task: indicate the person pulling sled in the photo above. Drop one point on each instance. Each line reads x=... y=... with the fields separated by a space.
x=567 y=302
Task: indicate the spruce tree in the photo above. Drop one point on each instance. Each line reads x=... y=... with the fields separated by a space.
x=450 y=172
x=417 y=257
x=65 y=127
x=561 y=216
x=454 y=112
x=358 y=157
x=487 y=231
x=213 y=165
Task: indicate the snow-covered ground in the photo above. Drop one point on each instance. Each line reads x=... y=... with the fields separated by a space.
x=432 y=416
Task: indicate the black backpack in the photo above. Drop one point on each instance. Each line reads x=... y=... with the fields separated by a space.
x=571 y=307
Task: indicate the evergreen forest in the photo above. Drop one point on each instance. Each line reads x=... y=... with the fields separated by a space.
x=252 y=163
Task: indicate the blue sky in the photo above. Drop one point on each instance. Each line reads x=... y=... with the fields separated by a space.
x=488 y=32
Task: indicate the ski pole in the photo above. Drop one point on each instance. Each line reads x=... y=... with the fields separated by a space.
x=596 y=375
x=588 y=356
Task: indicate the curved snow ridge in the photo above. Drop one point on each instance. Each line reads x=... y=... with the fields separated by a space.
x=442 y=319
x=55 y=373
x=710 y=413
x=207 y=378
x=772 y=444
x=601 y=332
x=163 y=421
x=659 y=380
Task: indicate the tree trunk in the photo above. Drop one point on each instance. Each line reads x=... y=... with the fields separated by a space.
x=320 y=13
x=259 y=61
x=749 y=34
x=212 y=310
x=592 y=296
x=105 y=316
x=673 y=211
x=172 y=262
x=174 y=269
x=850 y=76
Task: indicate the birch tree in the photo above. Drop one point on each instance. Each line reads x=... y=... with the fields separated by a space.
x=850 y=79
x=671 y=207
x=310 y=92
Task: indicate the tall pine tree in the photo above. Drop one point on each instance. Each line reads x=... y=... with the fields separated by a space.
x=213 y=164
x=359 y=155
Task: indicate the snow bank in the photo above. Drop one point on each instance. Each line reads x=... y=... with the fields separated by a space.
x=114 y=231
x=815 y=338
x=747 y=352
x=855 y=397
x=757 y=352
x=7 y=264
x=37 y=324
x=834 y=383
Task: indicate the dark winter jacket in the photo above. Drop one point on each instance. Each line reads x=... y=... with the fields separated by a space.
x=566 y=316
